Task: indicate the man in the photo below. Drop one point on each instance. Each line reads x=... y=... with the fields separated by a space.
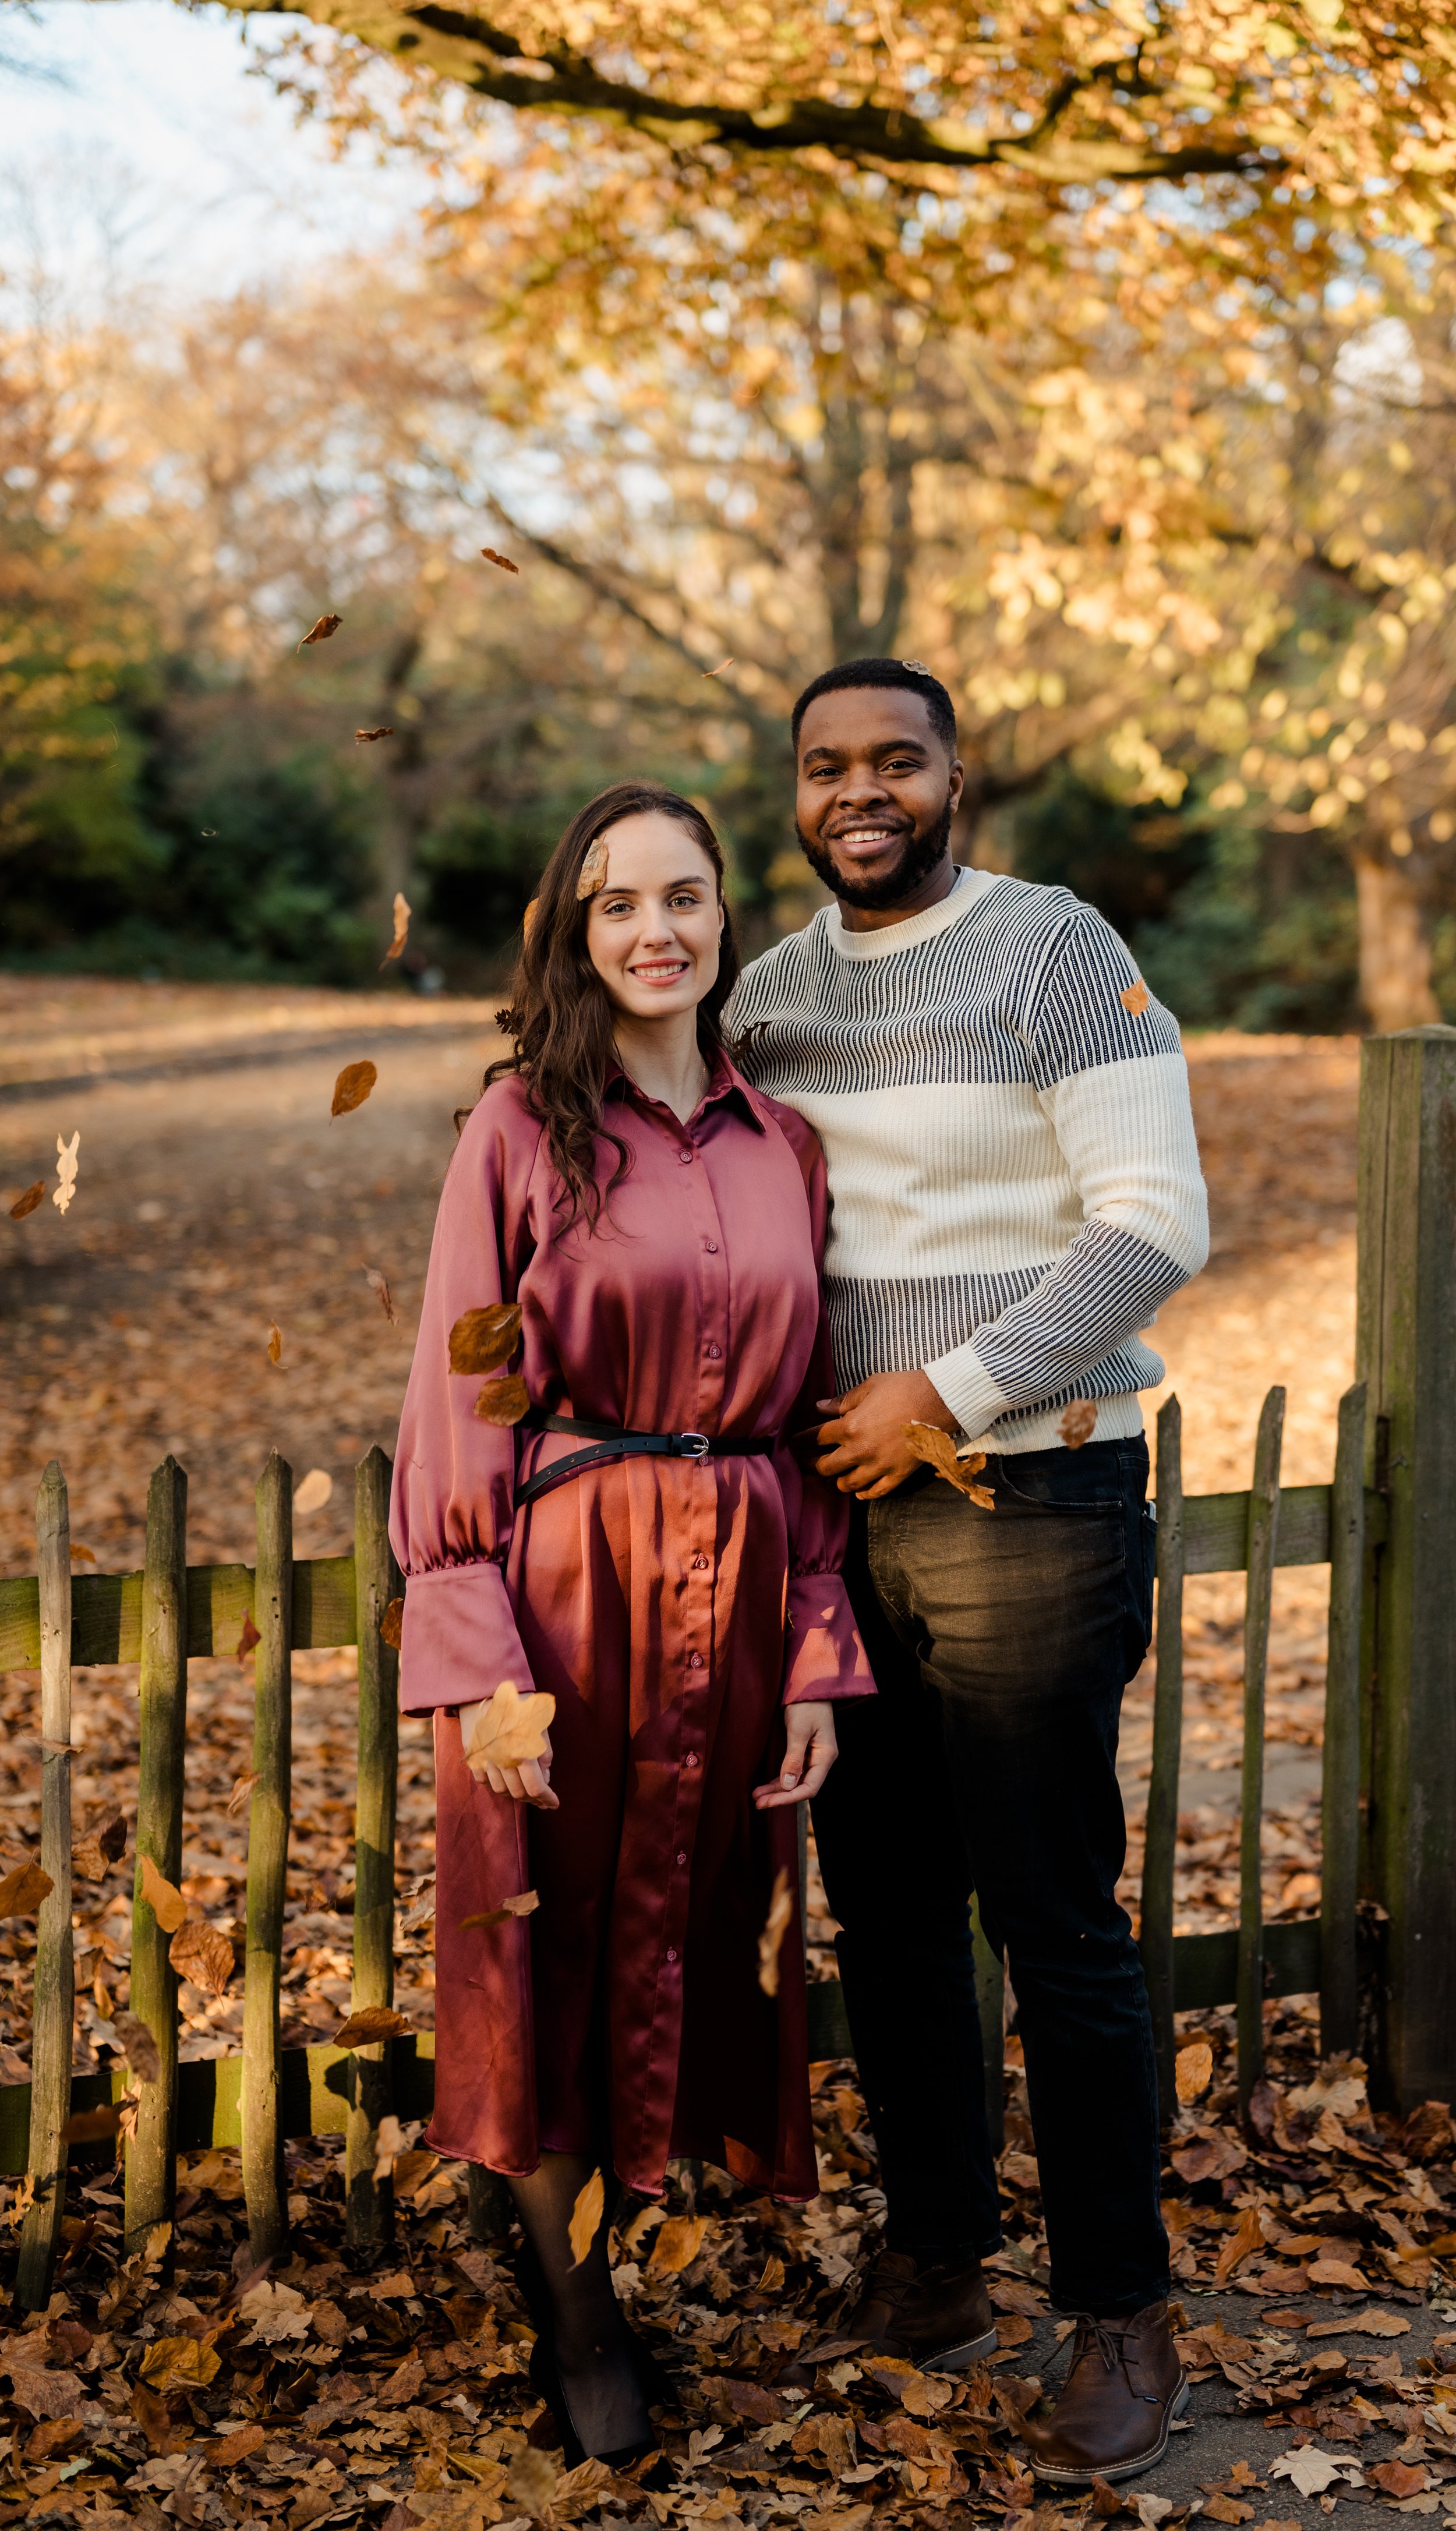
x=1016 y=1189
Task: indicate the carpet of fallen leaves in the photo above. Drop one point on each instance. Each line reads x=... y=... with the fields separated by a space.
x=214 y=1203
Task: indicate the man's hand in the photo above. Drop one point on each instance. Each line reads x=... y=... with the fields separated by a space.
x=864 y=1446
x=812 y=1751
x=528 y=1783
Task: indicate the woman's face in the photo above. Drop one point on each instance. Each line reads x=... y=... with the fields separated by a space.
x=655 y=926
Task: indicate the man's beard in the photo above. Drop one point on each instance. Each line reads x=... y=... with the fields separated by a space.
x=917 y=860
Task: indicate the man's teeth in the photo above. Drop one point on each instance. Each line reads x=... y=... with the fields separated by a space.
x=866 y=835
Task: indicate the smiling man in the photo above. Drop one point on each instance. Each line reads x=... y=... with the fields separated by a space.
x=1016 y=1189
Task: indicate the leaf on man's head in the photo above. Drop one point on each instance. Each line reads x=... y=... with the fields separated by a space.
x=524 y=1903
x=353 y=1087
x=513 y=1728
x=503 y=1401
x=593 y=873
x=927 y=1441
x=137 y=2044
x=501 y=561
x=1078 y=1422
x=401 y=910
x=167 y=1904
x=586 y=2216
x=770 y=1940
x=392 y=1625
x=379 y=1285
x=366 y=737
x=22 y=1891
x=484 y=1339
x=323 y=630
x=203 y=1953
x=27 y=1203
x=1135 y=998
x=373 y=2021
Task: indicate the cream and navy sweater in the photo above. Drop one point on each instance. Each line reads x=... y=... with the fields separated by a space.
x=1012 y=1164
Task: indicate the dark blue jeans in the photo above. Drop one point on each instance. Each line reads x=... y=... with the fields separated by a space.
x=1001 y=1642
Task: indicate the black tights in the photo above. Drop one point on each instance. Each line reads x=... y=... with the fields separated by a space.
x=592 y=2345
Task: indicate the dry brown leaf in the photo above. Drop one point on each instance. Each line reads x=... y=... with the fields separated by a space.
x=586 y=2216
x=927 y=1441
x=373 y=2021
x=503 y=1400
x=93 y=2126
x=532 y=2482
x=22 y=1891
x=137 y=2044
x=1360 y=2324
x=776 y=1924
x=1396 y=2478
x=203 y=1953
x=501 y=561
x=89 y=1860
x=484 y=1339
x=248 y=1643
x=1193 y=2069
x=1105 y=2500
x=402 y=911
x=167 y=1904
x=528 y=919
x=1135 y=998
x=367 y=737
x=353 y=1087
x=392 y=1625
x=1227 y=2508
x=1078 y=1422
x=66 y=1168
x=389 y=2144
x=718 y=670
x=1337 y=2272
x=180 y=2364
x=241 y=1793
x=82 y=1555
x=513 y=1728
x=379 y=1285
x=1241 y=2242
x=524 y=1903
x=677 y=2245
x=235 y=2447
x=323 y=630
x=591 y=877
x=28 y=1202
x=275 y=1342
x=316 y=1489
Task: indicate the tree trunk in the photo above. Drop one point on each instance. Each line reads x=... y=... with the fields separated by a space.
x=1394 y=952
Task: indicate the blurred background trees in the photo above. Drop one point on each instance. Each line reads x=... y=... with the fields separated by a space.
x=1130 y=412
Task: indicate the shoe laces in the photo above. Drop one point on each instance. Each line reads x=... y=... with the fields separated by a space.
x=1109 y=2340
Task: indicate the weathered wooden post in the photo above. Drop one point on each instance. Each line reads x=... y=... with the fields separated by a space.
x=152 y=2152
x=54 y=2007
x=1340 y=1879
x=1160 y=1848
x=1406 y=1354
x=1263 y=1547
x=268 y=1865
x=376 y=1580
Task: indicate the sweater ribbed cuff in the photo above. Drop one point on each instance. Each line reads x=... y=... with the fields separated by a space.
x=974 y=1398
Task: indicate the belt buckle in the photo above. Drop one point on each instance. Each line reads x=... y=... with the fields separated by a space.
x=691 y=1445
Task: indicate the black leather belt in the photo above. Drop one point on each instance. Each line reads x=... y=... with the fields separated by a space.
x=613 y=1442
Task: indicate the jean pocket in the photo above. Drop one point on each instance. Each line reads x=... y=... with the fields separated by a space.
x=1142 y=1570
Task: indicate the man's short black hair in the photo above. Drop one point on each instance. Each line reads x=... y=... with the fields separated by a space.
x=908 y=673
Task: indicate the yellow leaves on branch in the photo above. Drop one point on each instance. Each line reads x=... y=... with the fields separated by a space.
x=484 y=1339
x=927 y=1441
x=353 y=1087
x=323 y=630
x=512 y=1730
x=776 y=1924
x=586 y=2216
x=402 y=912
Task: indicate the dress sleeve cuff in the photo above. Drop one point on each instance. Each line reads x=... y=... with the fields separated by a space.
x=969 y=1390
x=825 y=1660
x=459 y=1639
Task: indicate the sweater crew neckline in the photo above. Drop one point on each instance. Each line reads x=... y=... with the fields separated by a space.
x=967 y=890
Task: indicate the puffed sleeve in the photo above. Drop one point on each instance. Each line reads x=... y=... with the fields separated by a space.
x=453 y=1476
x=824 y=1658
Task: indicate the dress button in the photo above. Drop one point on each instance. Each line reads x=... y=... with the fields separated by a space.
x=695 y=1661
x=711 y=1245
x=691 y=1759
x=715 y=1353
x=671 y=1953
x=685 y=1158
x=682 y=1857
x=699 y=1563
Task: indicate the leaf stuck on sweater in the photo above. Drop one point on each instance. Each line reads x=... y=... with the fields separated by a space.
x=503 y=1400
x=586 y=2216
x=66 y=1168
x=22 y=1891
x=524 y=1903
x=1135 y=998
x=28 y=1203
x=512 y=1730
x=501 y=561
x=373 y=2021
x=928 y=1441
x=367 y=737
x=402 y=911
x=1078 y=1422
x=392 y=1625
x=353 y=1087
x=137 y=2044
x=484 y=1339
x=316 y=1489
x=323 y=630
x=776 y=1924
x=203 y=1953
x=593 y=873
x=167 y=1904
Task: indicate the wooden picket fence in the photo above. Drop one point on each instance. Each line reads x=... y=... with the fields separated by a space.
x=170 y=1613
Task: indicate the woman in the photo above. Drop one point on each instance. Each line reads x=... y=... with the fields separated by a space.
x=643 y=1548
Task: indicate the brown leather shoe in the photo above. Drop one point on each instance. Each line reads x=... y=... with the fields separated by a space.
x=1124 y=2390
x=937 y=2318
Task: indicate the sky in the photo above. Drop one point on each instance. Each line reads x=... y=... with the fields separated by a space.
x=139 y=119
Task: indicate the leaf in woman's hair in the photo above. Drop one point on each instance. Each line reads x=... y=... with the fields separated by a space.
x=484 y=1339
x=503 y=1401
x=593 y=870
x=513 y=1728
x=770 y=1940
x=586 y=2216
x=927 y=1441
x=1078 y=1422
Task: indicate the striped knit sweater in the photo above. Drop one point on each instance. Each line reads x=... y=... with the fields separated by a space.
x=1012 y=1163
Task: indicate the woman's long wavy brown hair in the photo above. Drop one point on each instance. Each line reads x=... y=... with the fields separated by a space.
x=559 y=1016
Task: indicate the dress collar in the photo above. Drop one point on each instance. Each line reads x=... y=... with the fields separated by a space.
x=725 y=1082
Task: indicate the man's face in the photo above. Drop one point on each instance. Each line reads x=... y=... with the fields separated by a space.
x=877 y=790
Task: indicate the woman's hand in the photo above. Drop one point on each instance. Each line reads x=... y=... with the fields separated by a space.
x=528 y=1783
x=812 y=1751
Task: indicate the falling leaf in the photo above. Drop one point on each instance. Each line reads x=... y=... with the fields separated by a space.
x=1078 y=1422
x=180 y=2364
x=241 y=1793
x=586 y=2216
x=92 y=1856
x=1135 y=998
x=524 y=1903
x=27 y=1203
x=167 y=1904
x=392 y=1625
x=93 y=2126
x=353 y=1087
x=275 y=1342
x=504 y=1400
x=66 y=1168
x=501 y=561
x=315 y=1491
x=203 y=1953
x=371 y=2022
x=379 y=1285
x=323 y=630
x=247 y=1642
x=22 y=1891
x=484 y=1339
x=780 y=1915
x=718 y=670
x=137 y=2044
x=513 y=1728
x=677 y=2245
x=532 y=2482
x=1193 y=2069
x=927 y=1441
x=593 y=873
x=366 y=737
x=82 y=1555
x=389 y=2144
x=403 y=910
